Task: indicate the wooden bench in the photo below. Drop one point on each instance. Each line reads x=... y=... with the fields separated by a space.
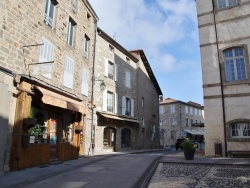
x=239 y=153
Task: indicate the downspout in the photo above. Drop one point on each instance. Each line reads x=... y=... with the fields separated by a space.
x=221 y=83
x=92 y=133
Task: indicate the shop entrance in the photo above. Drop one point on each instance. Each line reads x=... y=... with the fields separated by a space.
x=53 y=136
x=126 y=138
x=109 y=138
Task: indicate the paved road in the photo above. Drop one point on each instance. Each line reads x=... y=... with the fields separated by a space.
x=177 y=175
x=123 y=171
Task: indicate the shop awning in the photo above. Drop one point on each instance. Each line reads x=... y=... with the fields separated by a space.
x=195 y=131
x=61 y=101
x=119 y=118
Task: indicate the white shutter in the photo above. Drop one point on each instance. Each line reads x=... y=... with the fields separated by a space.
x=116 y=102
x=46 y=55
x=106 y=67
x=127 y=79
x=85 y=81
x=116 y=71
x=123 y=105
x=104 y=100
x=68 y=72
x=132 y=107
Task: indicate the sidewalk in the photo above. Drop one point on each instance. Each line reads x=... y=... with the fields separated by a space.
x=18 y=178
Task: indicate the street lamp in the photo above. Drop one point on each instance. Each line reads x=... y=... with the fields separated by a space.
x=103 y=85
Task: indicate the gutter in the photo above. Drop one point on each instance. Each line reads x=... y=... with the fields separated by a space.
x=221 y=83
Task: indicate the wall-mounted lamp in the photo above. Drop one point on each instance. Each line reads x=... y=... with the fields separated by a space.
x=103 y=86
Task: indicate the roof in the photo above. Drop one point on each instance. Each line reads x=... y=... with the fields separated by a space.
x=91 y=8
x=116 y=44
x=172 y=101
x=149 y=70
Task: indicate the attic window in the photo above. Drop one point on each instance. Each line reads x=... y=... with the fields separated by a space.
x=111 y=48
x=128 y=60
x=88 y=16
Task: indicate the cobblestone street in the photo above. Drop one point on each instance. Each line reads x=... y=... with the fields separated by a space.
x=173 y=175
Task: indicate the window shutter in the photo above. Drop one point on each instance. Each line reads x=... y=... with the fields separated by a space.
x=106 y=67
x=46 y=55
x=132 y=107
x=85 y=81
x=123 y=105
x=68 y=72
x=116 y=71
x=116 y=102
x=104 y=100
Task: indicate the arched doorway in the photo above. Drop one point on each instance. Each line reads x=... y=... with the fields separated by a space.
x=126 y=138
x=109 y=138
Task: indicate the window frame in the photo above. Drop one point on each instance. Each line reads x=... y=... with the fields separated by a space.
x=50 y=21
x=71 y=32
x=86 y=46
x=110 y=101
x=227 y=4
x=247 y=66
x=111 y=68
x=172 y=108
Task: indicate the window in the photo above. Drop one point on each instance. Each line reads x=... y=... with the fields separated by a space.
x=191 y=121
x=71 y=32
x=127 y=79
x=172 y=108
x=110 y=99
x=161 y=110
x=110 y=70
x=161 y=122
x=46 y=57
x=226 y=3
x=186 y=109
x=142 y=122
x=196 y=121
x=74 y=5
x=191 y=110
x=186 y=122
x=127 y=106
x=111 y=48
x=173 y=120
x=86 y=46
x=199 y=112
x=128 y=60
x=195 y=111
x=85 y=81
x=68 y=72
x=49 y=15
x=173 y=134
x=235 y=66
x=240 y=130
x=142 y=102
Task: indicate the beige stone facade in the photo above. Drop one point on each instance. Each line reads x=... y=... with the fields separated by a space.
x=224 y=46
x=53 y=33
x=179 y=119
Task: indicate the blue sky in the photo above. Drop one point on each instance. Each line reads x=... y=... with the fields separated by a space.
x=167 y=31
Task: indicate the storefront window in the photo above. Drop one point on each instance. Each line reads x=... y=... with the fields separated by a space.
x=68 y=128
x=39 y=132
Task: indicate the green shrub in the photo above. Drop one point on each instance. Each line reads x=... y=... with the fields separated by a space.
x=188 y=145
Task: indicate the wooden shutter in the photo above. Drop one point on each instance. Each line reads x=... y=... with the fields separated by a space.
x=132 y=107
x=106 y=67
x=68 y=72
x=116 y=102
x=85 y=81
x=104 y=100
x=46 y=55
x=123 y=105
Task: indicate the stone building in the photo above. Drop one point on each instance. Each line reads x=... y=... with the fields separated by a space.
x=46 y=60
x=224 y=45
x=179 y=119
x=116 y=119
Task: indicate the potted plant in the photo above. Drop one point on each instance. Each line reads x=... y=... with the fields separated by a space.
x=189 y=149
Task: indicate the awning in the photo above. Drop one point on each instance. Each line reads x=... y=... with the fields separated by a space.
x=195 y=131
x=61 y=101
x=119 y=118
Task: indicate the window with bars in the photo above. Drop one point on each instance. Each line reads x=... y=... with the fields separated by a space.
x=240 y=130
x=49 y=14
x=235 y=65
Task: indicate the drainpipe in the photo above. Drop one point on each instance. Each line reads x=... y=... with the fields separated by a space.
x=92 y=133
x=221 y=82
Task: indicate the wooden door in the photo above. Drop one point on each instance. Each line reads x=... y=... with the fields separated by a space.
x=53 y=136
